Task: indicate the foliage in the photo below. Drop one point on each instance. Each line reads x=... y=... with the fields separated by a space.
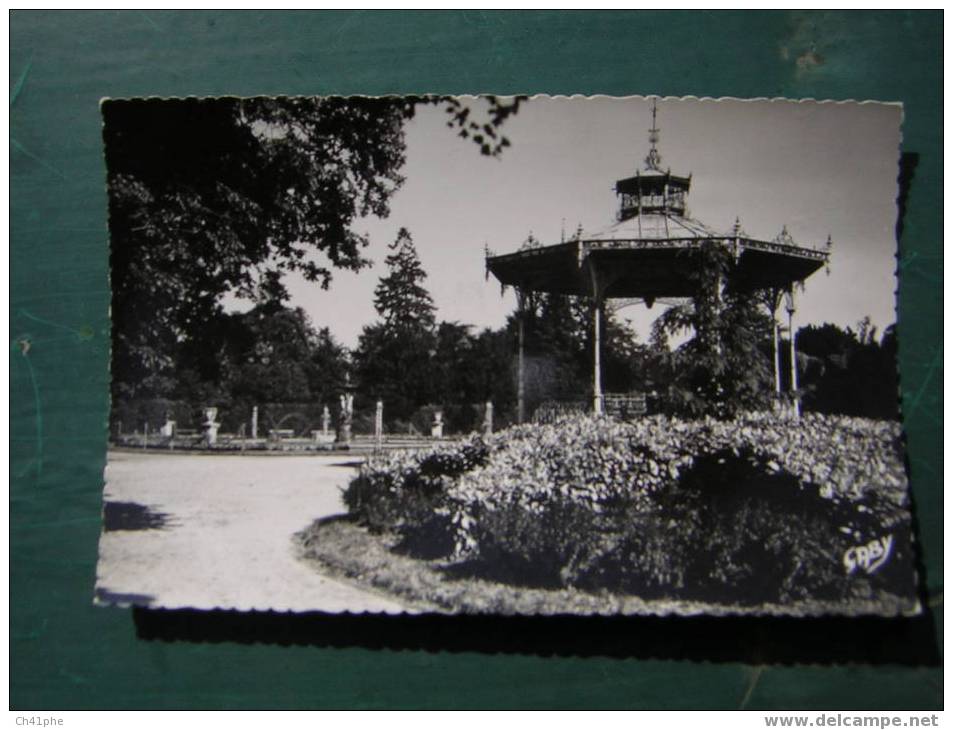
x=136 y=415
x=413 y=363
x=393 y=359
x=849 y=372
x=226 y=195
x=453 y=359
x=404 y=491
x=270 y=354
x=489 y=375
x=209 y=197
x=754 y=507
x=483 y=133
x=401 y=301
x=558 y=347
x=722 y=369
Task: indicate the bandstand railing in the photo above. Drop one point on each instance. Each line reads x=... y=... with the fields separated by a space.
x=624 y=406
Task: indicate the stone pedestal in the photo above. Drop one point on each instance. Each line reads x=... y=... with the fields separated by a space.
x=168 y=429
x=344 y=435
x=436 y=430
x=379 y=424
x=254 y=422
x=344 y=423
x=488 y=419
x=325 y=421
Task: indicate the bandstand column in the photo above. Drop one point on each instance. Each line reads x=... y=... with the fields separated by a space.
x=520 y=362
x=774 y=352
x=791 y=308
x=775 y=342
x=598 y=289
x=597 y=405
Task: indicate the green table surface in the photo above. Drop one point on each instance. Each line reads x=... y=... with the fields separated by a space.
x=68 y=654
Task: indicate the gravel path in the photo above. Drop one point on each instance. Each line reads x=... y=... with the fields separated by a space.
x=227 y=537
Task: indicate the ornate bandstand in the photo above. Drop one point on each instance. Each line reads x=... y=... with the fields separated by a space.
x=637 y=258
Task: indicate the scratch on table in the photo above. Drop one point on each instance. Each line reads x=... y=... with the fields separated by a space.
x=752 y=683
x=339 y=31
x=18 y=86
x=84 y=333
x=74 y=678
x=931 y=369
x=38 y=458
x=36 y=158
x=910 y=258
x=14 y=95
x=151 y=22
x=24 y=345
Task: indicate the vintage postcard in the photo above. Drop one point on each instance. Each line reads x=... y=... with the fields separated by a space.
x=511 y=355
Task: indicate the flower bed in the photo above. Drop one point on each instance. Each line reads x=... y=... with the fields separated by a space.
x=758 y=508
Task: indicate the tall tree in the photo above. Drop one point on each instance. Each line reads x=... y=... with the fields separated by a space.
x=226 y=195
x=401 y=300
x=394 y=356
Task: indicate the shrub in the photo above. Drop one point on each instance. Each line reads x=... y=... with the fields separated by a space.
x=405 y=492
x=757 y=508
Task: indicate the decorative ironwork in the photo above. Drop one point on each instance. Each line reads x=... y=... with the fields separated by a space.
x=551 y=410
x=652 y=218
x=582 y=248
x=625 y=406
x=785 y=248
x=654 y=160
x=616 y=304
x=784 y=238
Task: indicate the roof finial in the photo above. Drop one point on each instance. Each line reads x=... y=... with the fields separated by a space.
x=784 y=237
x=654 y=159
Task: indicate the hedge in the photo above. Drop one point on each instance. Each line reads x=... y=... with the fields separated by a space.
x=751 y=510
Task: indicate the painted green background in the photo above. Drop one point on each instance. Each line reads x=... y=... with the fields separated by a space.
x=67 y=654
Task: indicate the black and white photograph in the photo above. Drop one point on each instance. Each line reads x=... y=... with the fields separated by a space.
x=505 y=355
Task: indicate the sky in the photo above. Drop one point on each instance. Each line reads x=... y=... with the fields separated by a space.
x=819 y=168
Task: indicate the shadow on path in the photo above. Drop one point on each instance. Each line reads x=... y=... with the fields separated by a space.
x=130 y=516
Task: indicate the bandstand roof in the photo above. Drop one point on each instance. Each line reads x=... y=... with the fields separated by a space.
x=646 y=257
x=642 y=255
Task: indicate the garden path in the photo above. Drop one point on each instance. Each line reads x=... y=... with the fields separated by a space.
x=226 y=540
